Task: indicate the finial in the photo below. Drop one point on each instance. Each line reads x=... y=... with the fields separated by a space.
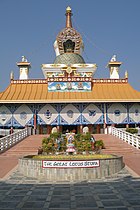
x=68 y=17
x=114 y=58
x=68 y=9
x=24 y=59
x=126 y=75
x=12 y=75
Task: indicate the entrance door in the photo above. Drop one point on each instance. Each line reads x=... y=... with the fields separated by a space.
x=69 y=128
x=42 y=129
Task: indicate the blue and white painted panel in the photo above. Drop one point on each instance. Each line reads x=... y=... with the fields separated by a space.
x=69 y=86
x=22 y=116
x=134 y=113
x=92 y=114
x=117 y=114
x=5 y=116
x=70 y=115
x=47 y=115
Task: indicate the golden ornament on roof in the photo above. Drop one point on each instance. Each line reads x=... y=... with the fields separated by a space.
x=68 y=9
x=69 y=70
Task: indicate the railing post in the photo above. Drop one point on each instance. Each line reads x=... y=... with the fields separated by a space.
x=137 y=143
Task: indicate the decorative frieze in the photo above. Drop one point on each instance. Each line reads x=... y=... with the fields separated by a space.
x=68 y=79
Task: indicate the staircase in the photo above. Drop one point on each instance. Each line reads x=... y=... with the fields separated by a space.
x=116 y=146
x=9 y=159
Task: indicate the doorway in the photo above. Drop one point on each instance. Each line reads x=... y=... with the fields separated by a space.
x=69 y=128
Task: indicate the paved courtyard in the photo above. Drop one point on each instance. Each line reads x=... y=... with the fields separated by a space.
x=121 y=191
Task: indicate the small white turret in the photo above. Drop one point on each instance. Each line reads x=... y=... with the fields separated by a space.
x=12 y=75
x=24 y=67
x=114 y=67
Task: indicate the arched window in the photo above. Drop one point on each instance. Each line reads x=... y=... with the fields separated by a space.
x=69 y=46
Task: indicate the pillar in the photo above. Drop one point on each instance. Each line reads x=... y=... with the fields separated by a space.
x=90 y=128
x=49 y=128
x=35 y=123
x=98 y=128
x=60 y=128
x=81 y=128
x=127 y=125
x=78 y=128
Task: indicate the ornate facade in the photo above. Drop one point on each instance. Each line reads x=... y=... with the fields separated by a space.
x=69 y=97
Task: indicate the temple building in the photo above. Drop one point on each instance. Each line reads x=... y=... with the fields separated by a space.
x=69 y=96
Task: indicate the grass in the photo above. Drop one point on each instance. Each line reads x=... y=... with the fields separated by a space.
x=72 y=157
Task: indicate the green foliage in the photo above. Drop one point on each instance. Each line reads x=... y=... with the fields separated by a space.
x=53 y=143
x=78 y=137
x=99 y=144
x=82 y=142
x=73 y=157
x=132 y=130
x=55 y=135
x=87 y=136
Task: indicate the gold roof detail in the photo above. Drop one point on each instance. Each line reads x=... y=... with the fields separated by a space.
x=68 y=18
x=37 y=92
x=68 y=9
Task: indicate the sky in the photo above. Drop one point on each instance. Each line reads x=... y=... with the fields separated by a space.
x=107 y=27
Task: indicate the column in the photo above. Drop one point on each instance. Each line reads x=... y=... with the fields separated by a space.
x=90 y=128
x=35 y=123
x=98 y=128
x=49 y=128
x=81 y=129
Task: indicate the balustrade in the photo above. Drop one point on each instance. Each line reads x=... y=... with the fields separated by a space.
x=131 y=139
x=9 y=140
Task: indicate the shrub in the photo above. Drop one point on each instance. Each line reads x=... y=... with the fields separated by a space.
x=99 y=144
x=55 y=135
x=82 y=142
x=132 y=130
x=54 y=143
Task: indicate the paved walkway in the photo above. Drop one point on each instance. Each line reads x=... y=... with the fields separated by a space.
x=120 y=192
x=9 y=159
x=131 y=155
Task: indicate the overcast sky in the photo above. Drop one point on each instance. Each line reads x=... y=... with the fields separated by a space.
x=108 y=27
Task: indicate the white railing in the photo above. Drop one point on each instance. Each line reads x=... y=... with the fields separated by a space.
x=125 y=136
x=5 y=132
x=9 y=140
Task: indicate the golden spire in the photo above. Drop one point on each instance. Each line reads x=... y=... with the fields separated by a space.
x=68 y=17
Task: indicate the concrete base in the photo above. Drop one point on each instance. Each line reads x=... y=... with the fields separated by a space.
x=33 y=168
